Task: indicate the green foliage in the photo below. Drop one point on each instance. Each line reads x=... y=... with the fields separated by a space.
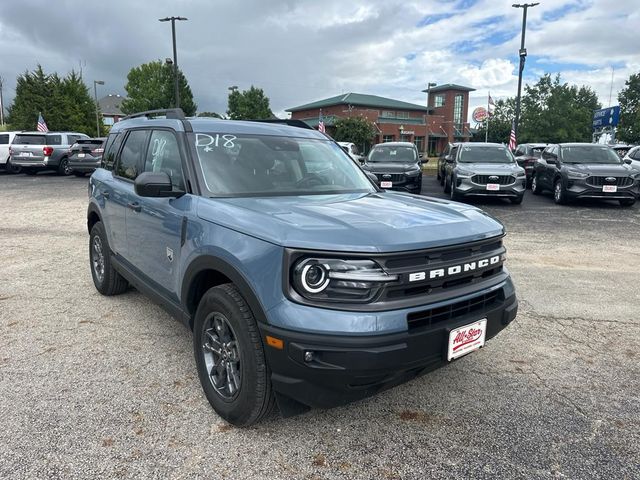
x=65 y=103
x=151 y=87
x=629 y=99
x=211 y=115
x=357 y=130
x=250 y=104
x=499 y=123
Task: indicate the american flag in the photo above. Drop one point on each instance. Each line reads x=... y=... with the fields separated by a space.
x=512 y=137
x=42 y=126
x=491 y=105
x=321 y=123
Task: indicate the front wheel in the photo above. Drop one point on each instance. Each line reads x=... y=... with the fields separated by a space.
x=627 y=202
x=230 y=357
x=105 y=278
x=536 y=189
x=559 y=193
x=447 y=185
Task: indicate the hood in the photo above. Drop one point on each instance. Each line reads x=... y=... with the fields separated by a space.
x=390 y=167
x=491 y=168
x=600 y=169
x=375 y=222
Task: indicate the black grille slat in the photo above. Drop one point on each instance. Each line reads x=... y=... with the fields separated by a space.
x=502 y=179
x=599 y=181
x=433 y=316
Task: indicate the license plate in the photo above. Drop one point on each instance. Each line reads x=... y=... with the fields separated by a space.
x=386 y=184
x=610 y=188
x=466 y=339
x=81 y=155
x=25 y=154
x=493 y=186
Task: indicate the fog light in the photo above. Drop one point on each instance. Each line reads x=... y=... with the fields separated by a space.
x=308 y=356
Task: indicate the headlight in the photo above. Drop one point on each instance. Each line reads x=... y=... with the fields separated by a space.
x=413 y=173
x=339 y=280
x=575 y=174
x=521 y=174
x=461 y=172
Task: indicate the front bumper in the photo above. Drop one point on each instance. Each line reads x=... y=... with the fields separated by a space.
x=576 y=189
x=412 y=184
x=465 y=186
x=345 y=368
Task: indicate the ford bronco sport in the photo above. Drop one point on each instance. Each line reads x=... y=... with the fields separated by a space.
x=304 y=284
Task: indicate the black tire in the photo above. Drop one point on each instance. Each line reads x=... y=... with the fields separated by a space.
x=447 y=185
x=559 y=193
x=254 y=398
x=29 y=171
x=536 y=189
x=441 y=178
x=79 y=174
x=11 y=168
x=63 y=167
x=627 y=202
x=455 y=197
x=517 y=200
x=110 y=282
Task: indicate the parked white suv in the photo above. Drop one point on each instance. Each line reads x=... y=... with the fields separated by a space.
x=352 y=150
x=5 y=141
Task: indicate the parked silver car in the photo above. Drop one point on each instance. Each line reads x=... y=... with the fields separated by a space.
x=34 y=151
x=483 y=170
x=633 y=157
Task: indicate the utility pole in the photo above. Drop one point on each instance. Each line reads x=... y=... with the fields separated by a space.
x=523 y=55
x=1 y=102
x=175 y=56
x=95 y=96
x=426 y=133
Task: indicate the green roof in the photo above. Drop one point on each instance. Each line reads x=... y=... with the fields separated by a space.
x=449 y=86
x=360 y=100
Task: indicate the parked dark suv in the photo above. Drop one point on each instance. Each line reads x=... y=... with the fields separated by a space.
x=85 y=155
x=526 y=156
x=585 y=170
x=396 y=165
x=304 y=283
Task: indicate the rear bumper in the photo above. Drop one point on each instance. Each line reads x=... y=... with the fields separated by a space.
x=86 y=165
x=347 y=368
x=38 y=162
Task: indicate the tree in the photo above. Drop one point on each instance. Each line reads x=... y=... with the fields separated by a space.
x=250 y=104
x=65 y=104
x=211 y=115
x=629 y=99
x=357 y=130
x=151 y=87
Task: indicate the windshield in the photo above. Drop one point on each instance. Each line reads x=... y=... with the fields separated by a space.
x=485 y=154
x=392 y=153
x=589 y=154
x=256 y=165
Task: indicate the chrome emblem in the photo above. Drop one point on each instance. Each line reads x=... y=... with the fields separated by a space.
x=493 y=178
x=610 y=179
x=386 y=175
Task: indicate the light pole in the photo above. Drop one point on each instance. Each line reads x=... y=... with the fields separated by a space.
x=426 y=133
x=95 y=96
x=175 y=56
x=523 y=55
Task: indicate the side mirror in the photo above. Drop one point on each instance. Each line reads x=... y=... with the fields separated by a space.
x=424 y=159
x=154 y=184
x=627 y=161
x=448 y=159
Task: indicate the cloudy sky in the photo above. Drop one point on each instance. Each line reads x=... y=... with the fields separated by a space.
x=303 y=50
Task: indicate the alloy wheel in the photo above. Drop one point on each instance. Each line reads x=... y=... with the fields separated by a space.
x=222 y=356
x=97 y=259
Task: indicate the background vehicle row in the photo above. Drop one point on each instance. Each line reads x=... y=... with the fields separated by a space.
x=35 y=151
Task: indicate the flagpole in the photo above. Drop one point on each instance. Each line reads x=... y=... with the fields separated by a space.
x=486 y=131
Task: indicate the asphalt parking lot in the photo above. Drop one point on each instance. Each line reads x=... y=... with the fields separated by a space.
x=106 y=387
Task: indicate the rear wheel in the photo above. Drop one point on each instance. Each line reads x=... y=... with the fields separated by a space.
x=559 y=193
x=627 y=202
x=536 y=189
x=63 y=167
x=11 y=168
x=230 y=357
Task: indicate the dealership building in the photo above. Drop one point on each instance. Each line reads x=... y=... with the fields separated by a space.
x=430 y=127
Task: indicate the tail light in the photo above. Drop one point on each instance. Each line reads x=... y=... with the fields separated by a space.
x=47 y=151
x=97 y=151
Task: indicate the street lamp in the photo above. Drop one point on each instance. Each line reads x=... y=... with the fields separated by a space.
x=175 y=56
x=95 y=96
x=523 y=55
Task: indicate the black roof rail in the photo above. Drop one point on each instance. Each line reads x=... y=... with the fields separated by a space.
x=286 y=121
x=172 y=113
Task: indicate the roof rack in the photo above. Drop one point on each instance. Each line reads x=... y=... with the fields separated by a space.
x=172 y=113
x=286 y=121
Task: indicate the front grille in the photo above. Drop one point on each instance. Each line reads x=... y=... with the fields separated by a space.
x=619 y=181
x=395 y=177
x=433 y=316
x=502 y=179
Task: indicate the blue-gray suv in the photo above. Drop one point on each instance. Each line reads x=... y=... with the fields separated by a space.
x=305 y=285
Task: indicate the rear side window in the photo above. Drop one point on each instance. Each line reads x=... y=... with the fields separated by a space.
x=54 y=139
x=111 y=150
x=29 y=140
x=131 y=155
x=4 y=139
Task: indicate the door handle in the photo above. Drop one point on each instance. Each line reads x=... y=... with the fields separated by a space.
x=134 y=206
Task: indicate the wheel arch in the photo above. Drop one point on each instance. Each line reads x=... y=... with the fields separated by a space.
x=93 y=216
x=209 y=271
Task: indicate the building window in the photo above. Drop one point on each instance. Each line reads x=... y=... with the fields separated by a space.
x=438 y=101
x=388 y=114
x=402 y=115
x=419 y=141
x=457 y=111
x=388 y=138
x=107 y=120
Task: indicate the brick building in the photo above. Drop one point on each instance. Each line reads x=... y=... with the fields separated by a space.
x=442 y=122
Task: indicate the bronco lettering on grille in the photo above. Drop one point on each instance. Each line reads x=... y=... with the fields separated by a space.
x=455 y=269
